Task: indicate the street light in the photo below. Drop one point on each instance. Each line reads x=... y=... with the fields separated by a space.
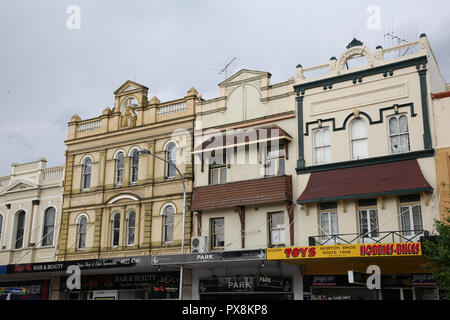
x=145 y=151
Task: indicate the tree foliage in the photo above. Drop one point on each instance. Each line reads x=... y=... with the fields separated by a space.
x=438 y=253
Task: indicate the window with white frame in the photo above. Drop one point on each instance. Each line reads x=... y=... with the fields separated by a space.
x=368 y=219
x=277 y=229
x=87 y=168
x=81 y=233
x=131 y=227
x=398 y=134
x=171 y=157
x=410 y=216
x=20 y=229
x=49 y=227
x=134 y=166
x=321 y=145
x=359 y=140
x=119 y=168
x=116 y=229
x=218 y=169
x=328 y=221
x=168 y=223
x=217 y=233
x=275 y=160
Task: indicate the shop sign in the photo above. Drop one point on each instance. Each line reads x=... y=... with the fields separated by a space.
x=245 y=284
x=425 y=279
x=82 y=264
x=324 y=281
x=26 y=290
x=156 y=281
x=225 y=256
x=346 y=251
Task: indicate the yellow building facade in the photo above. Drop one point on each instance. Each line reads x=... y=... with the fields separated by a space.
x=118 y=201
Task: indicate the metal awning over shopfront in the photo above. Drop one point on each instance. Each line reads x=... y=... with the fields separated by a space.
x=366 y=181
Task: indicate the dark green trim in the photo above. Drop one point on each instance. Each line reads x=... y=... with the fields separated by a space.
x=366 y=162
x=424 y=95
x=300 y=141
x=367 y=195
x=371 y=122
x=387 y=69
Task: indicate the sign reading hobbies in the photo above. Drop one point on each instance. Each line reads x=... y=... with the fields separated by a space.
x=346 y=251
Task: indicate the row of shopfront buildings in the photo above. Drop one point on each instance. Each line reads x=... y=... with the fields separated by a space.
x=287 y=188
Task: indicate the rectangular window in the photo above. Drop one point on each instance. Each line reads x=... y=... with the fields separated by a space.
x=277 y=230
x=321 y=145
x=411 y=217
x=398 y=134
x=368 y=220
x=218 y=171
x=328 y=222
x=275 y=161
x=217 y=233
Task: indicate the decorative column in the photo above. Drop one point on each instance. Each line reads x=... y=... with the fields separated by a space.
x=424 y=95
x=34 y=237
x=301 y=151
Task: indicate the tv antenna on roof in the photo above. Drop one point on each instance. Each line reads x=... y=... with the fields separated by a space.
x=393 y=38
x=231 y=63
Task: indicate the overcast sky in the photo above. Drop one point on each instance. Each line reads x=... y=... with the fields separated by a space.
x=49 y=72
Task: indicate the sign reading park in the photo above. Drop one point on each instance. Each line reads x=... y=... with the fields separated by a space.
x=346 y=251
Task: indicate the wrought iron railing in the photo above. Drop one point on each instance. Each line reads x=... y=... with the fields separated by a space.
x=382 y=237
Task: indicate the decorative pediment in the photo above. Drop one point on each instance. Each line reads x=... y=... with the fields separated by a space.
x=130 y=86
x=244 y=74
x=19 y=186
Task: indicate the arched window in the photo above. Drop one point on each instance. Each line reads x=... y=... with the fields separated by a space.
x=171 y=156
x=168 y=215
x=131 y=227
x=115 y=229
x=20 y=228
x=119 y=168
x=359 y=141
x=134 y=166
x=321 y=145
x=1 y=226
x=81 y=232
x=87 y=168
x=49 y=226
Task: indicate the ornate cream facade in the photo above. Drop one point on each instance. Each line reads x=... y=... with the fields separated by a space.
x=30 y=213
x=120 y=211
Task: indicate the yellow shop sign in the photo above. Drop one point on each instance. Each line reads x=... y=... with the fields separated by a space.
x=346 y=251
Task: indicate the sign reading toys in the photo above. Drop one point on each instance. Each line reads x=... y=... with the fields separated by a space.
x=346 y=251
